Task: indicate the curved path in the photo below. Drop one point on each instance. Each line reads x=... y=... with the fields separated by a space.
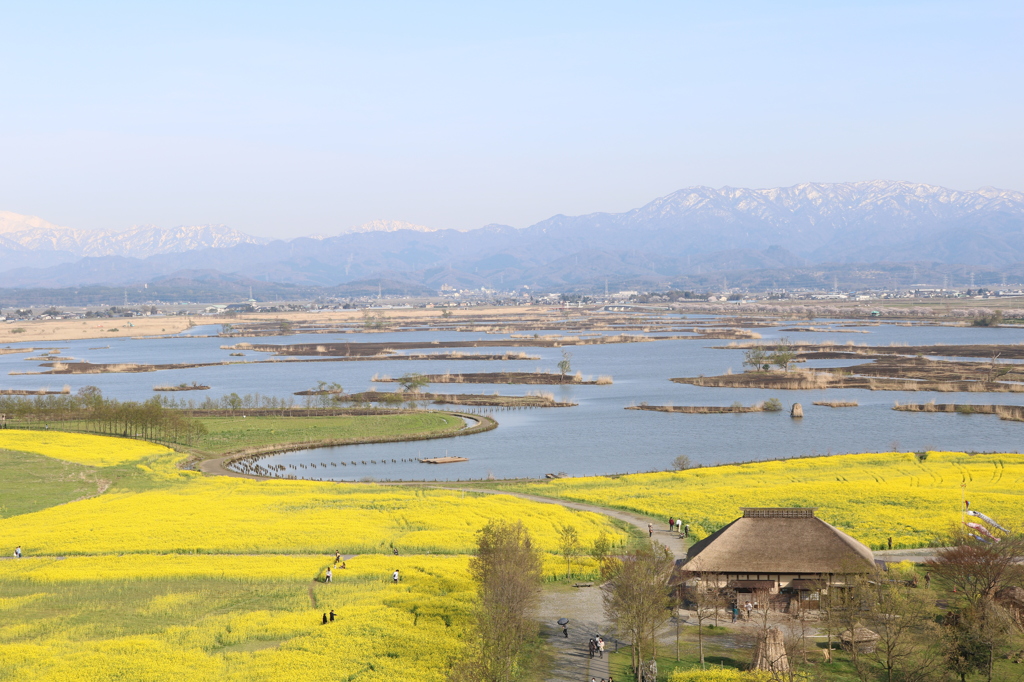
x=675 y=544
x=584 y=606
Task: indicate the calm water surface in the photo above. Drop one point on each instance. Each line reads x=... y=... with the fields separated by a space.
x=599 y=436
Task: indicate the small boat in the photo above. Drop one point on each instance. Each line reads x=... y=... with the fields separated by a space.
x=443 y=460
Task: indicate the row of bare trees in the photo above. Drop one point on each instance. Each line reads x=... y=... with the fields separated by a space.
x=88 y=410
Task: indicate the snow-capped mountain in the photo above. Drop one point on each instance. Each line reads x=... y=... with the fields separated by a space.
x=690 y=232
x=389 y=226
x=35 y=234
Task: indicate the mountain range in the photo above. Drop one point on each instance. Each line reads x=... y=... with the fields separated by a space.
x=675 y=239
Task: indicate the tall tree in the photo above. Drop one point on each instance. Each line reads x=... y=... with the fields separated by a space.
x=638 y=600
x=903 y=618
x=975 y=570
x=508 y=571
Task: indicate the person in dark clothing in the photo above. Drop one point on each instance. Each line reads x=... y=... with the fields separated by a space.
x=591 y=647
x=565 y=630
x=890 y=542
x=325 y=619
x=332 y=615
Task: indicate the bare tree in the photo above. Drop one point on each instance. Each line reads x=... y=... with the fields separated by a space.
x=707 y=599
x=508 y=571
x=975 y=569
x=638 y=601
x=903 y=618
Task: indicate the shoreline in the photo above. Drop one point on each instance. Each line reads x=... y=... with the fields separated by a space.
x=219 y=466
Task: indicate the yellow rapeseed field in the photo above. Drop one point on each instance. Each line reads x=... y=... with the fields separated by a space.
x=870 y=496
x=179 y=576
x=80 y=448
x=230 y=515
x=205 y=629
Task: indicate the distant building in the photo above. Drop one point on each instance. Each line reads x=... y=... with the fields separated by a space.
x=785 y=554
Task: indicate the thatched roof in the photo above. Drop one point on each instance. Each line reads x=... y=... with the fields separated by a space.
x=860 y=634
x=784 y=540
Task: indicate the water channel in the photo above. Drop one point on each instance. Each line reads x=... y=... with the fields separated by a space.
x=598 y=436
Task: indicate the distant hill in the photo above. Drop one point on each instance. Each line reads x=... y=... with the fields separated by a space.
x=33 y=234
x=679 y=238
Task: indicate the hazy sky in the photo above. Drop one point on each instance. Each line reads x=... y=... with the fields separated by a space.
x=295 y=118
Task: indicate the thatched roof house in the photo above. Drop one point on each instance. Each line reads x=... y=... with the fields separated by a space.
x=786 y=549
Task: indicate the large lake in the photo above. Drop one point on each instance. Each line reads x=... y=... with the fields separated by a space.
x=597 y=437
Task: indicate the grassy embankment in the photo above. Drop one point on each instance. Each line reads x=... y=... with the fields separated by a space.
x=227 y=435
x=172 y=575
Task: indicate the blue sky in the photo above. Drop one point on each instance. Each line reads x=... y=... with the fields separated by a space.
x=296 y=118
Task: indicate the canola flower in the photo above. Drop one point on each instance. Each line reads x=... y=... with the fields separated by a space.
x=239 y=516
x=872 y=497
x=186 y=577
x=80 y=448
x=190 y=630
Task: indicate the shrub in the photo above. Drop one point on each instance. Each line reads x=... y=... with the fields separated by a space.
x=681 y=462
x=18 y=330
x=772 y=405
x=718 y=675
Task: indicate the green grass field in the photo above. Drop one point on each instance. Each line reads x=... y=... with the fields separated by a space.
x=30 y=482
x=233 y=434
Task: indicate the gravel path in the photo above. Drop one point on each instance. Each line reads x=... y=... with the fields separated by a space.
x=583 y=606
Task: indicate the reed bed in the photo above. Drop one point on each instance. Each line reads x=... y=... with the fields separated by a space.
x=837 y=403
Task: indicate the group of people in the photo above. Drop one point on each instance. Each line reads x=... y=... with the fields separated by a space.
x=594 y=679
x=674 y=525
x=596 y=646
x=329 y=576
x=677 y=525
x=17 y=552
x=329 y=618
x=748 y=606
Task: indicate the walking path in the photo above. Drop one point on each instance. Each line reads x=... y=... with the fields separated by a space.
x=583 y=606
x=675 y=544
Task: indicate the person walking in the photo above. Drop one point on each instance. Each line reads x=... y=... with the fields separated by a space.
x=735 y=612
x=329 y=575
x=325 y=619
x=890 y=542
x=565 y=631
x=17 y=552
x=337 y=557
x=600 y=646
x=395 y=577
x=332 y=615
x=686 y=531
x=650 y=530
x=591 y=647
x=749 y=607
x=679 y=526
x=671 y=523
